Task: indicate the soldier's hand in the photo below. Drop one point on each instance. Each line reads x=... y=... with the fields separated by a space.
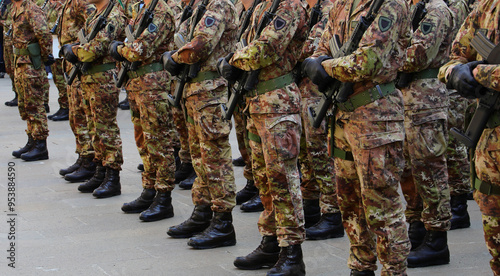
x=113 y=50
x=314 y=70
x=169 y=64
x=226 y=70
x=67 y=53
x=50 y=60
x=462 y=79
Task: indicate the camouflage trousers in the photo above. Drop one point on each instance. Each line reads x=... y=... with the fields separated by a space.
x=152 y=119
x=31 y=94
x=210 y=150
x=274 y=164
x=8 y=56
x=182 y=134
x=58 y=78
x=100 y=100
x=425 y=178
x=316 y=164
x=240 y=125
x=456 y=154
x=78 y=121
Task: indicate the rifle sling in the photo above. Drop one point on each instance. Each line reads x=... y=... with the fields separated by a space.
x=145 y=69
x=367 y=96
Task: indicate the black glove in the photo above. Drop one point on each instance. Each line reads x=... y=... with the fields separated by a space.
x=313 y=69
x=113 y=50
x=463 y=81
x=50 y=60
x=169 y=64
x=67 y=53
x=226 y=70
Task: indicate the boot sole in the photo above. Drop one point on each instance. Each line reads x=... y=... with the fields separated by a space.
x=183 y=236
x=156 y=218
x=44 y=157
x=256 y=267
x=431 y=263
x=226 y=243
x=106 y=196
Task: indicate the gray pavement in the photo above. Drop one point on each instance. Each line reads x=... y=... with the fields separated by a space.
x=60 y=231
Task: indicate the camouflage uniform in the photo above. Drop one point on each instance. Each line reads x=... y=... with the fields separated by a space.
x=316 y=163
x=367 y=188
x=100 y=95
x=151 y=114
x=214 y=37
x=8 y=53
x=274 y=119
x=29 y=26
x=484 y=18
x=72 y=20
x=426 y=109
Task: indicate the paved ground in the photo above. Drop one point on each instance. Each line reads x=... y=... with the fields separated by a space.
x=61 y=231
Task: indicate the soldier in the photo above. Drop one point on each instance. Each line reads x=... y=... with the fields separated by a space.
x=426 y=115
x=274 y=127
x=214 y=189
x=7 y=48
x=100 y=98
x=32 y=49
x=369 y=131
x=465 y=72
x=71 y=20
x=151 y=113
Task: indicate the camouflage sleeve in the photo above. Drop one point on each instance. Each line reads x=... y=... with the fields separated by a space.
x=314 y=37
x=427 y=39
x=488 y=76
x=41 y=30
x=374 y=48
x=206 y=36
x=151 y=38
x=272 y=42
x=98 y=47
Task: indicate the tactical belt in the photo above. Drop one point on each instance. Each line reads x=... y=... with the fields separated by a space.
x=272 y=84
x=100 y=68
x=426 y=74
x=345 y=155
x=486 y=187
x=494 y=120
x=145 y=69
x=206 y=75
x=21 y=51
x=367 y=96
x=190 y=120
x=254 y=137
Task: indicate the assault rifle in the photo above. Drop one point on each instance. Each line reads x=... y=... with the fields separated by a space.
x=418 y=14
x=44 y=4
x=339 y=92
x=132 y=35
x=188 y=71
x=489 y=102
x=54 y=29
x=187 y=11
x=248 y=80
x=82 y=67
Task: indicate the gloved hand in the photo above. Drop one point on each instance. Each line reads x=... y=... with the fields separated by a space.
x=169 y=64
x=50 y=60
x=226 y=70
x=314 y=70
x=113 y=50
x=463 y=81
x=67 y=53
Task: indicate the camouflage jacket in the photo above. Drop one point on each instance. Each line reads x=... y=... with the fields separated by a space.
x=381 y=51
x=484 y=18
x=52 y=10
x=459 y=11
x=72 y=20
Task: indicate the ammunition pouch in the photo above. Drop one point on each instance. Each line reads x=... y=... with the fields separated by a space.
x=35 y=55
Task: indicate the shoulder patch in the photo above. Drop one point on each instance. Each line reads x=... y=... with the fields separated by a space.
x=384 y=23
x=279 y=23
x=426 y=27
x=152 y=28
x=111 y=28
x=209 y=21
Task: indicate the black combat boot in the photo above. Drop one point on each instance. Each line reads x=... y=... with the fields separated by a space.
x=416 y=233
x=187 y=183
x=72 y=168
x=95 y=181
x=84 y=172
x=312 y=212
x=290 y=262
x=12 y=102
x=239 y=162
x=460 y=217
x=47 y=108
x=26 y=148
x=124 y=105
x=38 y=151
x=247 y=192
x=161 y=208
x=110 y=186
x=199 y=221
x=253 y=205
x=185 y=170
x=362 y=273
x=266 y=255
x=219 y=233
x=433 y=251
x=61 y=115
x=141 y=203
x=329 y=226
